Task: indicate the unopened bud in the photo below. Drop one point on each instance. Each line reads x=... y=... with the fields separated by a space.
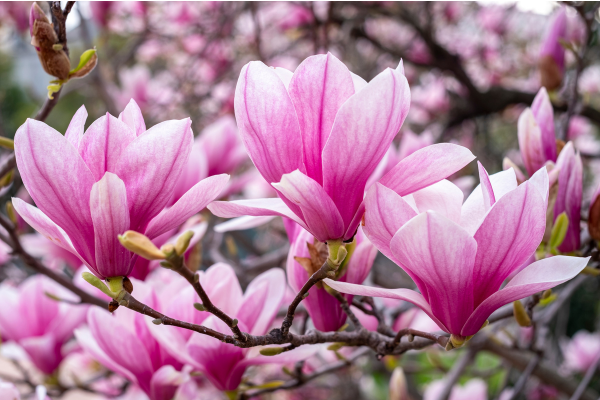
x=7 y=143
x=7 y=179
x=559 y=232
x=398 y=389
x=305 y=295
x=52 y=296
x=53 y=58
x=335 y=346
x=140 y=245
x=167 y=250
x=196 y=278
x=97 y=283
x=157 y=321
x=594 y=217
x=547 y=293
x=234 y=323
x=199 y=307
x=115 y=284
x=183 y=242
x=10 y=211
x=113 y=305
x=87 y=62
x=520 y=314
x=271 y=351
x=410 y=337
x=166 y=264
x=550 y=73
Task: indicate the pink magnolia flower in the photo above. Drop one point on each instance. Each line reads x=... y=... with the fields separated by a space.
x=317 y=135
x=581 y=351
x=122 y=343
x=324 y=309
x=475 y=389
x=224 y=364
x=460 y=254
x=570 y=192
x=117 y=177
x=53 y=255
x=39 y=324
x=413 y=318
x=537 y=140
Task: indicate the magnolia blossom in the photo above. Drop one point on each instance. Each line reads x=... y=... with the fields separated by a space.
x=9 y=391
x=570 y=192
x=318 y=134
x=475 y=389
x=39 y=324
x=460 y=254
x=224 y=364
x=306 y=256
x=117 y=177
x=122 y=343
x=536 y=133
x=581 y=351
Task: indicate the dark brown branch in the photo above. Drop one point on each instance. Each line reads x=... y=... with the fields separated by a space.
x=346 y=308
x=524 y=377
x=192 y=278
x=455 y=372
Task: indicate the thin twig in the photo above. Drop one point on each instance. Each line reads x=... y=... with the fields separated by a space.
x=589 y=374
x=524 y=377
x=455 y=372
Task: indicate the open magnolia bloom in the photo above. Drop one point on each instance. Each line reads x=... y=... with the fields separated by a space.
x=117 y=177
x=460 y=254
x=222 y=363
x=318 y=134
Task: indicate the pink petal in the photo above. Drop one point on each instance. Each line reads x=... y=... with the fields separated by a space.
x=486 y=187
x=189 y=204
x=267 y=121
x=253 y=207
x=44 y=225
x=58 y=180
x=272 y=284
x=318 y=88
x=242 y=223
x=121 y=345
x=108 y=202
x=358 y=82
x=443 y=197
x=86 y=340
x=223 y=287
x=319 y=212
x=473 y=210
x=361 y=134
x=541 y=182
x=164 y=383
x=150 y=166
x=426 y=166
x=285 y=75
x=530 y=142
x=132 y=116
x=544 y=115
x=74 y=132
x=568 y=198
x=44 y=351
x=399 y=294
x=508 y=236
x=13 y=325
x=539 y=276
x=441 y=254
x=103 y=143
x=385 y=213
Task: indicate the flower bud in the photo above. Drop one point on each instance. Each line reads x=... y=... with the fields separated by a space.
x=55 y=61
x=141 y=245
x=559 y=232
x=552 y=55
x=7 y=143
x=10 y=211
x=594 y=216
x=97 y=283
x=271 y=351
x=168 y=250
x=521 y=314
x=183 y=242
x=398 y=389
x=199 y=307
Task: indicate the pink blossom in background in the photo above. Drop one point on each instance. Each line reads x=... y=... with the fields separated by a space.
x=118 y=176
x=413 y=318
x=459 y=254
x=53 y=255
x=581 y=351
x=122 y=343
x=311 y=160
x=324 y=309
x=474 y=389
x=39 y=324
x=224 y=364
x=101 y=11
x=570 y=192
x=222 y=146
x=552 y=53
x=18 y=11
x=537 y=140
x=9 y=391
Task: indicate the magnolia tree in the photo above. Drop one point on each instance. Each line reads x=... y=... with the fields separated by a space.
x=306 y=243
